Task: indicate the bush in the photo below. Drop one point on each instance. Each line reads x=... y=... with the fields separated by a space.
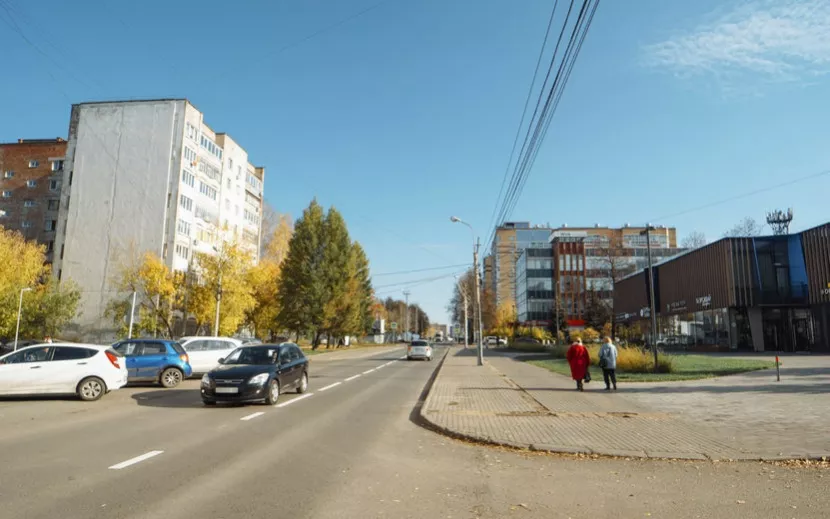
x=635 y=360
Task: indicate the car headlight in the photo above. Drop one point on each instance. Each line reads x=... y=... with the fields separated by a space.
x=206 y=380
x=258 y=380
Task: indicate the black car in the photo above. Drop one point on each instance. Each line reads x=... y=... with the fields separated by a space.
x=256 y=374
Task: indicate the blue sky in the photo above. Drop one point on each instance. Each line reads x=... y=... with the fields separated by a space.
x=406 y=114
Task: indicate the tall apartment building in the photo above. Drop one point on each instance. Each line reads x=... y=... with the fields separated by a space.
x=30 y=184
x=148 y=176
x=509 y=240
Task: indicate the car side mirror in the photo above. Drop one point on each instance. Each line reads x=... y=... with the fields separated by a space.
x=222 y=360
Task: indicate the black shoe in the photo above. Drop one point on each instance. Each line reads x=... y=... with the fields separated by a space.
x=615 y=388
x=609 y=388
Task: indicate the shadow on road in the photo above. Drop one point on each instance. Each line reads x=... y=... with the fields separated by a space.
x=171 y=398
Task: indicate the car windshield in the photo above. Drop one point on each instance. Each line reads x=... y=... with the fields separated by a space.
x=420 y=343
x=253 y=355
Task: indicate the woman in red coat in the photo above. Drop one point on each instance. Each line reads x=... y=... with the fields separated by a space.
x=579 y=360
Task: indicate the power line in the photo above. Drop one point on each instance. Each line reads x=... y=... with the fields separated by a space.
x=744 y=195
x=413 y=283
x=418 y=270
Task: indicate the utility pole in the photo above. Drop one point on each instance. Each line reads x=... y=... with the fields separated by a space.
x=478 y=303
x=406 y=330
x=466 y=319
x=652 y=305
x=218 y=304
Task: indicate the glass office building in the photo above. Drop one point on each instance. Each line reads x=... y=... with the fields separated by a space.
x=534 y=286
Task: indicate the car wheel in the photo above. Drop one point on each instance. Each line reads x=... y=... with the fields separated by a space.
x=171 y=377
x=303 y=387
x=91 y=389
x=208 y=402
x=273 y=393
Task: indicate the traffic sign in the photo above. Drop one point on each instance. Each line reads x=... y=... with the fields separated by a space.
x=393 y=326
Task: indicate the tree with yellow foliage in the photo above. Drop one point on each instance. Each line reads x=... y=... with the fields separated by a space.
x=264 y=279
x=48 y=306
x=158 y=293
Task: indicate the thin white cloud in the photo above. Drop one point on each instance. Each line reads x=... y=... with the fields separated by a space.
x=778 y=40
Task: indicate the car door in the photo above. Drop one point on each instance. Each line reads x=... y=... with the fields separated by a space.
x=300 y=362
x=286 y=368
x=150 y=359
x=198 y=350
x=130 y=351
x=21 y=372
x=68 y=366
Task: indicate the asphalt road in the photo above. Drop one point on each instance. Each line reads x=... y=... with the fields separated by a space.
x=352 y=450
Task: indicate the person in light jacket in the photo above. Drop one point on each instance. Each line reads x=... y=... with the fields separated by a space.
x=608 y=363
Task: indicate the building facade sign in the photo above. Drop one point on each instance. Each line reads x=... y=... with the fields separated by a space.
x=704 y=301
x=676 y=306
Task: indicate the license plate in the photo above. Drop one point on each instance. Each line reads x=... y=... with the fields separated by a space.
x=227 y=390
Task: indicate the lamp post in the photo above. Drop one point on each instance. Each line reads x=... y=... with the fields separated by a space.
x=220 y=263
x=19 y=312
x=456 y=219
x=652 y=306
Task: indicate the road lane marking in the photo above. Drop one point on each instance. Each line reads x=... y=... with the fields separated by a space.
x=295 y=400
x=329 y=386
x=137 y=459
x=382 y=365
x=368 y=371
x=252 y=416
x=351 y=378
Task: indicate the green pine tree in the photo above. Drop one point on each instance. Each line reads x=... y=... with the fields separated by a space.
x=336 y=258
x=302 y=293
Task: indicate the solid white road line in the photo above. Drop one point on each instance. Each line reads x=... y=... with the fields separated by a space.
x=252 y=416
x=295 y=400
x=368 y=371
x=137 y=459
x=329 y=386
x=351 y=378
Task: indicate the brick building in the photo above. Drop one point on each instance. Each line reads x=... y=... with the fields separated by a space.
x=30 y=185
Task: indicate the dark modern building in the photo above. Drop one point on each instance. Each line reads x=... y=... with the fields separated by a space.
x=534 y=286
x=769 y=293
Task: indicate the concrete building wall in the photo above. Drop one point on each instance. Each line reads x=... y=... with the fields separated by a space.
x=118 y=196
x=30 y=182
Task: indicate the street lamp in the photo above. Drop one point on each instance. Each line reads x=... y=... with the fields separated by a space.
x=455 y=219
x=19 y=311
x=652 y=305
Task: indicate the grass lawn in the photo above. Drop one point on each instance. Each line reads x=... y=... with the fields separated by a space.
x=686 y=367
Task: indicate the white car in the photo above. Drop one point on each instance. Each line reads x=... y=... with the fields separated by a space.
x=419 y=350
x=205 y=352
x=495 y=341
x=86 y=370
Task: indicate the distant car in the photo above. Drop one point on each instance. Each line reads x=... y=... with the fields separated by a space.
x=256 y=374
x=419 y=350
x=155 y=360
x=205 y=352
x=495 y=341
x=250 y=341
x=86 y=370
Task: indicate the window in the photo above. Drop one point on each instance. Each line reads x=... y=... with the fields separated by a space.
x=184 y=228
x=54 y=205
x=189 y=155
x=192 y=131
x=227 y=204
x=34 y=163
x=54 y=185
x=26 y=224
x=28 y=203
x=236 y=210
x=8 y=174
x=188 y=178
x=207 y=190
x=57 y=165
x=31 y=183
x=182 y=251
x=153 y=348
x=51 y=225
x=186 y=203
x=68 y=353
x=230 y=163
x=253 y=181
x=198 y=345
x=229 y=183
x=50 y=246
x=210 y=171
x=127 y=348
x=40 y=354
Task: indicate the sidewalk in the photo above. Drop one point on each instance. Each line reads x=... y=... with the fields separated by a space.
x=509 y=402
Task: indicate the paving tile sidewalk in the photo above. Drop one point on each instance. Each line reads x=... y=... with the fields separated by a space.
x=546 y=413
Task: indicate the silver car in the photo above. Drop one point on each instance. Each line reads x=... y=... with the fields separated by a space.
x=419 y=350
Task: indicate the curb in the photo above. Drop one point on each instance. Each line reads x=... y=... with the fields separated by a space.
x=425 y=421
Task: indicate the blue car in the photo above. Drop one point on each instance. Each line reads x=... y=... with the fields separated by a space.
x=155 y=360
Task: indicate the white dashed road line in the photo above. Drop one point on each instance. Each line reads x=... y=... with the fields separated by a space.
x=137 y=459
x=329 y=386
x=351 y=378
x=368 y=371
x=252 y=416
x=295 y=400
